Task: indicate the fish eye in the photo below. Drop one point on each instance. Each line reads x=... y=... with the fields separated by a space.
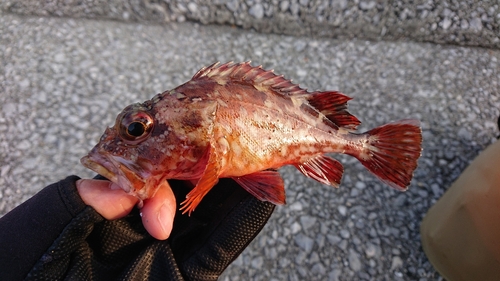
x=136 y=129
x=135 y=126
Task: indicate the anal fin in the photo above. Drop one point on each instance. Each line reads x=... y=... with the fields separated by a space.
x=323 y=169
x=264 y=185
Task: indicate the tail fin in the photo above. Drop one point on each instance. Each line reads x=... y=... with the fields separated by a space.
x=392 y=152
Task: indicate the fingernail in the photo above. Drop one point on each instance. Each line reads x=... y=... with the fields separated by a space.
x=165 y=219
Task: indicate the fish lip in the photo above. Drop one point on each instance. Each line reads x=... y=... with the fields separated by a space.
x=134 y=177
x=94 y=165
x=108 y=168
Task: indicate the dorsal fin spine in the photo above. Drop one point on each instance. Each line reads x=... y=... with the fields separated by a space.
x=332 y=103
x=245 y=72
x=280 y=84
x=252 y=73
x=205 y=70
x=264 y=76
x=272 y=80
x=240 y=69
x=225 y=72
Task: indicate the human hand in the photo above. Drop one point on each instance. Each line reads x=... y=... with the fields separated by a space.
x=199 y=247
x=111 y=202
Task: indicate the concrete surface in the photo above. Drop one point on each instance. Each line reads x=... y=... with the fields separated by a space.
x=63 y=80
x=471 y=22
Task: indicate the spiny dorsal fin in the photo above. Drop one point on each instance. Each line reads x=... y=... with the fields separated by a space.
x=255 y=75
x=332 y=104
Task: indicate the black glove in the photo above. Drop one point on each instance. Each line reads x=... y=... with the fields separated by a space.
x=200 y=247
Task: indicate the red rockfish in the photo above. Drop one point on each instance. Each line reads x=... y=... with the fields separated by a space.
x=242 y=122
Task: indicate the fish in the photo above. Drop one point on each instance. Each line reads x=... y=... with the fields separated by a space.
x=234 y=120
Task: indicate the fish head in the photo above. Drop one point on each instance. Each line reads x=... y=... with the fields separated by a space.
x=133 y=153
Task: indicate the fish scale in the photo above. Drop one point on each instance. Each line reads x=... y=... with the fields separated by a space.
x=242 y=122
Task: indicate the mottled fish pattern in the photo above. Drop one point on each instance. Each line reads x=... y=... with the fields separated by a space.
x=243 y=122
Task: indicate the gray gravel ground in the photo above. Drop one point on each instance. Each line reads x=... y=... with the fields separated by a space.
x=470 y=22
x=63 y=80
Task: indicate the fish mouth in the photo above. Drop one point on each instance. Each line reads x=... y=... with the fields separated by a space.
x=116 y=170
x=98 y=168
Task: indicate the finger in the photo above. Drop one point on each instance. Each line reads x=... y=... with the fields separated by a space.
x=108 y=200
x=159 y=211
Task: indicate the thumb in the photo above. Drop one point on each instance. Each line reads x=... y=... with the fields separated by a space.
x=111 y=202
x=159 y=211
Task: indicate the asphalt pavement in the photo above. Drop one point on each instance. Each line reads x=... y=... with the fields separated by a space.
x=64 y=79
x=466 y=22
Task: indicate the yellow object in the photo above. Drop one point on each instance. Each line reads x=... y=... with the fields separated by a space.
x=461 y=232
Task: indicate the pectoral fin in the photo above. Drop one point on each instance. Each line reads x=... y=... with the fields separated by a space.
x=209 y=178
x=264 y=185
